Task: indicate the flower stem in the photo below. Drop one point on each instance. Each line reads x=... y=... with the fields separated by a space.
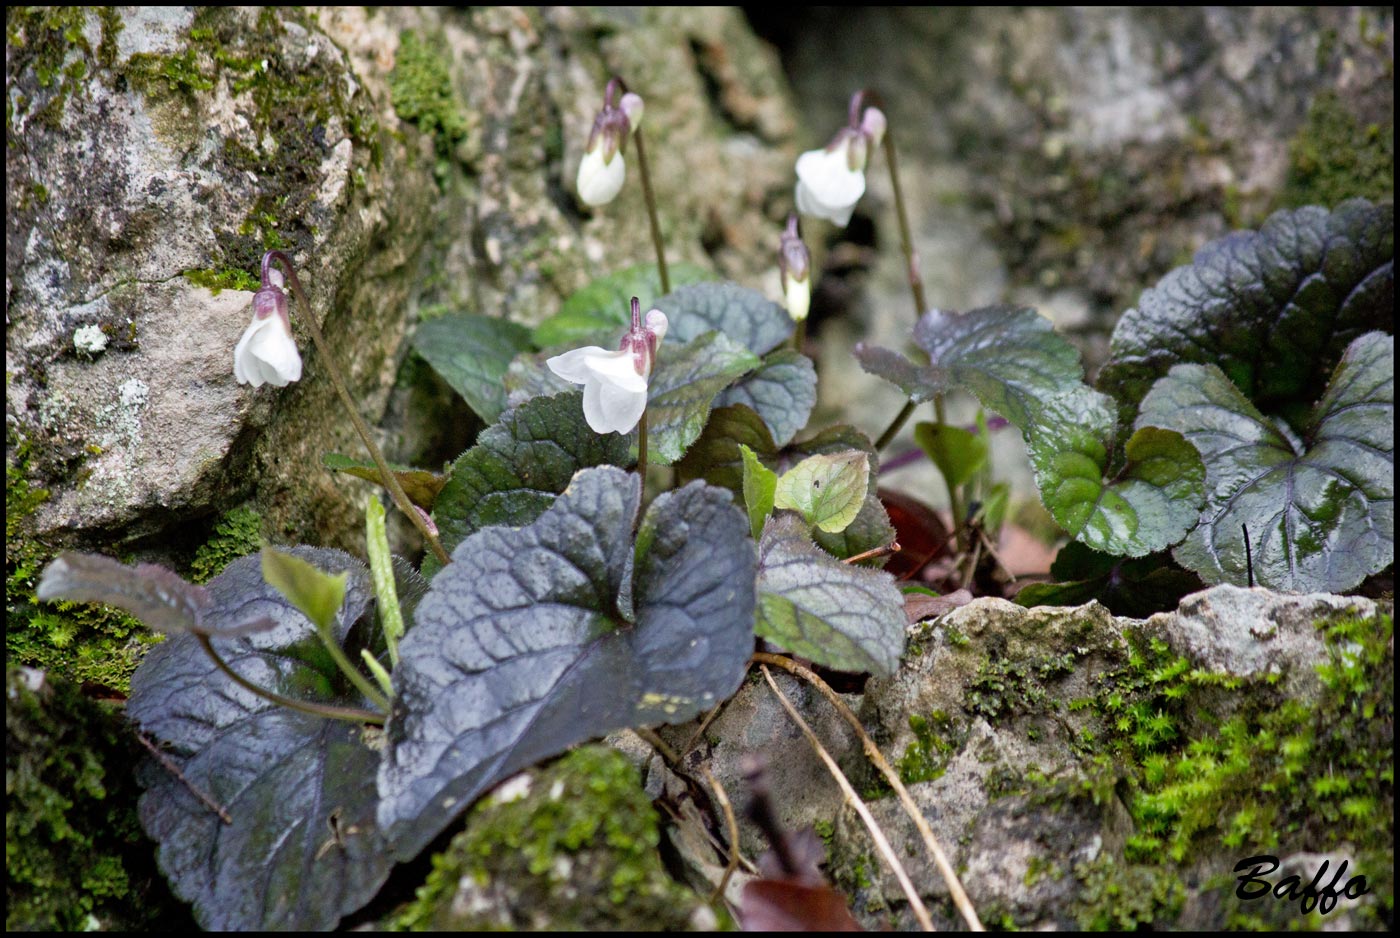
x=642 y=448
x=799 y=335
x=342 y=661
x=916 y=291
x=391 y=481
x=349 y=714
x=650 y=197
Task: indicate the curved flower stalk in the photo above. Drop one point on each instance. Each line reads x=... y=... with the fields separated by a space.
x=262 y=357
x=615 y=382
x=831 y=180
x=267 y=354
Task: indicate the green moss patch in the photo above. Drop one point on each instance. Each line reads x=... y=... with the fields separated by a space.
x=75 y=857
x=578 y=851
x=1335 y=157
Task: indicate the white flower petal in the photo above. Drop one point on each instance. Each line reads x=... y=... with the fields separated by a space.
x=827 y=187
x=799 y=298
x=617 y=369
x=266 y=354
x=599 y=182
x=573 y=366
x=610 y=409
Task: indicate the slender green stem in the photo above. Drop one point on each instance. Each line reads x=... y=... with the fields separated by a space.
x=391 y=481
x=954 y=496
x=895 y=426
x=799 y=335
x=642 y=448
x=349 y=714
x=650 y=198
x=911 y=257
x=342 y=661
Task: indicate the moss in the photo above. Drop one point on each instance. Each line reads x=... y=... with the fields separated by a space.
x=1268 y=775
x=579 y=850
x=216 y=281
x=935 y=741
x=1119 y=896
x=237 y=534
x=421 y=90
x=44 y=39
x=74 y=852
x=1335 y=157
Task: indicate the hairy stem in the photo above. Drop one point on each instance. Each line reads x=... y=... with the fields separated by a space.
x=391 y=481
x=361 y=682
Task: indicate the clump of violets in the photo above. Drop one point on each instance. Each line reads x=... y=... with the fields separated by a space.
x=615 y=382
x=831 y=180
x=267 y=354
x=602 y=171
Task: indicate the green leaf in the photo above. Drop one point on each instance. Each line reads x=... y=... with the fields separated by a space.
x=1136 y=588
x=381 y=566
x=870 y=529
x=1273 y=309
x=519 y=465
x=827 y=490
x=1010 y=358
x=683 y=386
x=1146 y=506
x=760 y=483
x=840 y=616
x=472 y=353
x=716 y=457
x=520 y=651
x=957 y=453
x=742 y=315
x=316 y=594
x=303 y=848
x=599 y=313
x=782 y=391
x=1320 y=518
x=840 y=438
x=420 y=485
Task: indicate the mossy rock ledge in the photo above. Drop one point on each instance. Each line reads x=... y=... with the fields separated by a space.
x=1083 y=770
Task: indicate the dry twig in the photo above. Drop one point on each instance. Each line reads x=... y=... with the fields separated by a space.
x=881 y=842
x=940 y=859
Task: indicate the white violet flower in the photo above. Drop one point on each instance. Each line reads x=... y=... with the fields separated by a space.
x=267 y=354
x=602 y=170
x=831 y=180
x=615 y=382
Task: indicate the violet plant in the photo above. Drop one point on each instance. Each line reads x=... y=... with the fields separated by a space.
x=343 y=716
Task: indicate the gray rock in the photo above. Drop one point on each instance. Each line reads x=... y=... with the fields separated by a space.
x=403 y=157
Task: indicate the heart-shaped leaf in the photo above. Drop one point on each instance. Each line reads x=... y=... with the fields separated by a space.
x=520 y=648
x=1273 y=309
x=301 y=848
x=1320 y=518
x=743 y=315
x=826 y=489
x=782 y=391
x=420 y=485
x=519 y=465
x=599 y=313
x=1009 y=358
x=838 y=615
x=1146 y=506
x=716 y=457
x=682 y=390
x=472 y=354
